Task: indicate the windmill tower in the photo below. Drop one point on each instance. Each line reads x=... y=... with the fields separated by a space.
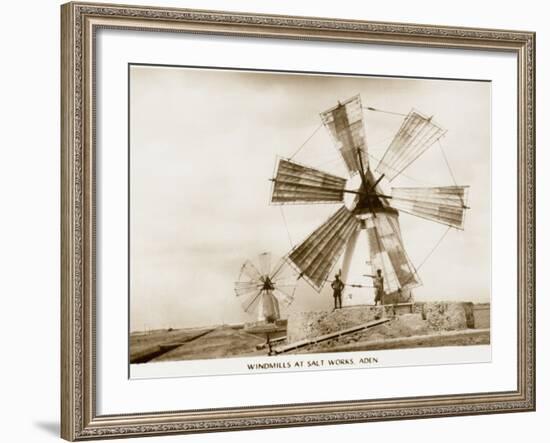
x=372 y=215
x=262 y=287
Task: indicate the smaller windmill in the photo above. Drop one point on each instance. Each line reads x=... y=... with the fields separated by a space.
x=262 y=287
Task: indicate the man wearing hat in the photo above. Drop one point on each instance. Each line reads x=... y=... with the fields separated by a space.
x=337 y=288
x=378 y=281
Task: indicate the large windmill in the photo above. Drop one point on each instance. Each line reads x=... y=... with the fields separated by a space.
x=372 y=211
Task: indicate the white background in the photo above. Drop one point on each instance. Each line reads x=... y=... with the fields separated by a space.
x=117 y=394
x=29 y=237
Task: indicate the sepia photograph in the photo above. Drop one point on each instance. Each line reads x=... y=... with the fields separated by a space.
x=275 y=220
x=306 y=221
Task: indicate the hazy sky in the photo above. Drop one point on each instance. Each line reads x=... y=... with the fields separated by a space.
x=204 y=144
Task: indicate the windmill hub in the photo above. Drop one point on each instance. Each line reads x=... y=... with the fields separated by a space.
x=267 y=284
x=368 y=199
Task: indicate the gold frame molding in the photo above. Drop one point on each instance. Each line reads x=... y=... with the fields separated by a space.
x=79 y=22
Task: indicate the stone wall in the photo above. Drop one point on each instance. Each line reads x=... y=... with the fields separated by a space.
x=482 y=315
x=433 y=316
x=447 y=316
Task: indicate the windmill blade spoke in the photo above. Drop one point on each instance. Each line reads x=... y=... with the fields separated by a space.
x=283 y=296
x=265 y=263
x=280 y=269
x=252 y=301
x=345 y=125
x=288 y=285
x=286 y=282
x=249 y=270
x=295 y=183
x=388 y=254
x=243 y=290
x=248 y=284
x=283 y=273
x=445 y=205
x=285 y=277
x=416 y=134
x=319 y=252
x=243 y=293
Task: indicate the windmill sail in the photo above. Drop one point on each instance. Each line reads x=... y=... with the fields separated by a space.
x=445 y=205
x=264 y=260
x=295 y=183
x=318 y=253
x=252 y=301
x=416 y=134
x=245 y=288
x=249 y=270
x=284 y=281
x=345 y=125
x=388 y=254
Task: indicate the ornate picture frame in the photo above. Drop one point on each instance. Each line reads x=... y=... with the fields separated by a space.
x=80 y=23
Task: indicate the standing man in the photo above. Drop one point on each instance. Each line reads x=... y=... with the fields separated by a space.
x=378 y=281
x=379 y=287
x=337 y=288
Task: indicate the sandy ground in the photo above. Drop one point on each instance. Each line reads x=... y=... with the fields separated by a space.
x=193 y=344
x=221 y=342
x=404 y=331
x=145 y=343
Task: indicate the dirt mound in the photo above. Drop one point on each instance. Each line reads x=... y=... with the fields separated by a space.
x=427 y=319
x=302 y=325
x=405 y=325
